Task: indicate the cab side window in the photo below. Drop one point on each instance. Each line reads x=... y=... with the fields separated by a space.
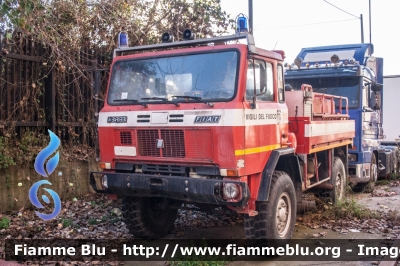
x=260 y=76
x=365 y=95
x=281 y=85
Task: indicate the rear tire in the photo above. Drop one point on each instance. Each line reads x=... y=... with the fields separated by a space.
x=274 y=224
x=339 y=180
x=148 y=218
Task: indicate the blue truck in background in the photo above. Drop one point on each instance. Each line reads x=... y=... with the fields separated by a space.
x=351 y=71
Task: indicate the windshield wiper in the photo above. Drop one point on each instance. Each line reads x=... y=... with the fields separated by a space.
x=155 y=98
x=126 y=100
x=197 y=98
x=161 y=99
x=129 y=100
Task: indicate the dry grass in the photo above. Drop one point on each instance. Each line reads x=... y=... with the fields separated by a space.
x=348 y=208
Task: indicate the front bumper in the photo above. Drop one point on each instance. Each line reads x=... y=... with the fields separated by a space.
x=359 y=173
x=186 y=189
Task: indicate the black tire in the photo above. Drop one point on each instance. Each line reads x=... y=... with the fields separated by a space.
x=274 y=224
x=339 y=180
x=373 y=169
x=148 y=218
x=369 y=186
x=362 y=187
x=396 y=169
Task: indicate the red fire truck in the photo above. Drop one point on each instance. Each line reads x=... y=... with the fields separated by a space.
x=208 y=122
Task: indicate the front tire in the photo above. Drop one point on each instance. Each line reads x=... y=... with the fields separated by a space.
x=274 y=224
x=149 y=218
x=373 y=171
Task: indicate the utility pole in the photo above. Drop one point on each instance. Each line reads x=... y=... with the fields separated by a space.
x=362 y=28
x=370 y=38
x=251 y=16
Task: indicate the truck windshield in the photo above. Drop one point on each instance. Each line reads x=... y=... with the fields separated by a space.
x=339 y=86
x=205 y=76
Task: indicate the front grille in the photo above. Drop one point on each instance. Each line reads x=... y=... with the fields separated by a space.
x=199 y=144
x=147 y=142
x=178 y=143
x=124 y=137
x=174 y=143
x=141 y=120
x=176 y=118
x=153 y=168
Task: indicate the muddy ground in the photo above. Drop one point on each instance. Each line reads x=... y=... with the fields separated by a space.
x=368 y=216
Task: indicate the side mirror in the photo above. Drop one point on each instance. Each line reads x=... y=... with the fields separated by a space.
x=288 y=87
x=367 y=109
x=375 y=87
x=377 y=105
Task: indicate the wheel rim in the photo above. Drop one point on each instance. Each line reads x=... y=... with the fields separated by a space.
x=283 y=214
x=338 y=186
x=374 y=171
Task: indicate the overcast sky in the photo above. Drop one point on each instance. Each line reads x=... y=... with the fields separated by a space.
x=290 y=25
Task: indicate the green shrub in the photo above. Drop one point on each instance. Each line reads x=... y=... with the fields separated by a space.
x=4 y=223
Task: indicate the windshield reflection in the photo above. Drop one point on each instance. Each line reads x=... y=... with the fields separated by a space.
x=210 y=77
x=339 y=86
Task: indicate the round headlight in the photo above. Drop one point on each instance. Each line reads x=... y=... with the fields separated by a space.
x=230 y=190
x=104 y=181
x=352 y=157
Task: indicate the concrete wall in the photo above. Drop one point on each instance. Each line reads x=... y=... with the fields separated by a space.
x=69 y=180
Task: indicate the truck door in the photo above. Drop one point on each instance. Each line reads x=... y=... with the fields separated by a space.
x=264 y=115
x=371 y=101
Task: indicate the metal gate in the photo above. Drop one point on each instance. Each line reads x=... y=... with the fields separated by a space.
x=38 y=92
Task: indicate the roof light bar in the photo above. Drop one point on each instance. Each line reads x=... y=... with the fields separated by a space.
x=238 y=36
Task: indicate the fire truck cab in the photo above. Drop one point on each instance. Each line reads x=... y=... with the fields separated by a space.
x=208 y=122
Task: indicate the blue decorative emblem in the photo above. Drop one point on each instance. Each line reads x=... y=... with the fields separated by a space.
x=35 y=201
x=45 y=153
x=45 y=169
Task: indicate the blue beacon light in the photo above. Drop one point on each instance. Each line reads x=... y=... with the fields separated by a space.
x=242 y=25
x=122 y=40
